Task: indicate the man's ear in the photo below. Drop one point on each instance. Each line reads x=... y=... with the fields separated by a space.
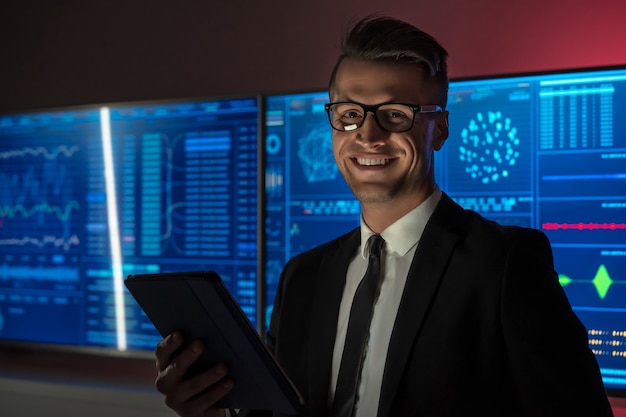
x=441 y=130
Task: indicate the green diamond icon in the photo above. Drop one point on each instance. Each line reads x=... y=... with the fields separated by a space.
x=602 y=281
x=564 y=280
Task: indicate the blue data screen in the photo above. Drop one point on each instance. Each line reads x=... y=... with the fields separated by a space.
x=187 y=181
x=307 y=202
x=54 y=238
x=549 y=151
x=90 y=196
x=546 y=151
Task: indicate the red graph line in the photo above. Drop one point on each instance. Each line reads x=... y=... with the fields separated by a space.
x=584 y=226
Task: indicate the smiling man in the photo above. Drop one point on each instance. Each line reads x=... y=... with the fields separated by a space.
x=386 y=158
x=462 y=317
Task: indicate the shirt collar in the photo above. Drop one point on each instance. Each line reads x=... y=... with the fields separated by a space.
x=396 y=238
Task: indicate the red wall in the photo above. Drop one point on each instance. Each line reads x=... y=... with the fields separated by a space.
x=76 y=52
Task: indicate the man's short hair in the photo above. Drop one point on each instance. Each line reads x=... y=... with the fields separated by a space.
x=383 y=38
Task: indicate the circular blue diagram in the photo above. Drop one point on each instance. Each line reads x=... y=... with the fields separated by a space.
x=489 y=147
x=273 y=144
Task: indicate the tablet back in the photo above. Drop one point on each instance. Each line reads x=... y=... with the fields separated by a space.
x=199 y=305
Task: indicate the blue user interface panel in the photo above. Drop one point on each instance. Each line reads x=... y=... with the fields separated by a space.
x=187 y=196
x=540 y=150
x=549 y=151
x=54 y=239
x=88 y=197
x=307 y=202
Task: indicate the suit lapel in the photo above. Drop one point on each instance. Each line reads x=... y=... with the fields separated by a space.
x=427 y=268
x=331 y=279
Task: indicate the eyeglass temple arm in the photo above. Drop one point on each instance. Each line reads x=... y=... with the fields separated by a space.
x=430 y=108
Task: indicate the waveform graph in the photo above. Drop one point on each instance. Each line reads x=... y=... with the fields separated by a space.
x=594 y=282
x=40 y=215
x=40 y=151
x=602 y=281
x=583 y=220
x=51 y=177
x=592 y=276
x=39 y=200
x=584 y=226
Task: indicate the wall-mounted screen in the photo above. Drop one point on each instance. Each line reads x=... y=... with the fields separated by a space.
x=307 y=202
x=538 y=150
x=89 y=196
x=53 y=227
x=186 y=176
x=549 y=151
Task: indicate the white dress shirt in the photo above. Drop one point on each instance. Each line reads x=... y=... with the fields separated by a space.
x=398 y=254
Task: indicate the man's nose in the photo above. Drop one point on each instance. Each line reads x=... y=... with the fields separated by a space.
x=370 y=131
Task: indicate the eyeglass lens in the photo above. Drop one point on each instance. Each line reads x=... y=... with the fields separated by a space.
x=392 y=117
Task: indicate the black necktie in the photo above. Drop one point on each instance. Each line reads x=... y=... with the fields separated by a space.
x=357 y=334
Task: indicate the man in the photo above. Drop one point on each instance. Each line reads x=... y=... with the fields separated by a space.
x=469 y=319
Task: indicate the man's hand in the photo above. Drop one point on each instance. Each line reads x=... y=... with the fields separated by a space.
x=196 y=396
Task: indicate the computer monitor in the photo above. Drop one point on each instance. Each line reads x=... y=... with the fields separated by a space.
x=53 y=225
x=543 y=150
x=548 y=151
x=186 y=176
x=307 y=202
x=89 y=196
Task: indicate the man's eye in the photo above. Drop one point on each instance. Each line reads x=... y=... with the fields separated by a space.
x=353 y=114
x=394 y=114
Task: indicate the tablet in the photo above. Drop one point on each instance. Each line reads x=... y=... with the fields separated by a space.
x=199 y=305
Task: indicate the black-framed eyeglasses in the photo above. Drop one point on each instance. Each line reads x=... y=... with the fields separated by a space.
x=347 y=116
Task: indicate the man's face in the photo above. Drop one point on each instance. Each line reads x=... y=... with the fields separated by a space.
x=380 y=166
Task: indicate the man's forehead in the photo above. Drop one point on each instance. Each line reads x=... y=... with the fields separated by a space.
x=395 y=80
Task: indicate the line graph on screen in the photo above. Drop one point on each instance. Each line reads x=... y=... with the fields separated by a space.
x=39 y=210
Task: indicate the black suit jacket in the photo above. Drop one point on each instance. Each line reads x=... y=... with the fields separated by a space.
x=483 y=329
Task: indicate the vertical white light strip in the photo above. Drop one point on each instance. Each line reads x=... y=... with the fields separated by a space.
x=114 y=236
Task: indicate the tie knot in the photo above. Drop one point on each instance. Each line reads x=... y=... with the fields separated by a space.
x=375 y=243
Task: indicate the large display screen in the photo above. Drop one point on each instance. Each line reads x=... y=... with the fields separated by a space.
x=307 y=202
x=546 y=151
x=90 y=196
x=549 y=151
x=53 y=226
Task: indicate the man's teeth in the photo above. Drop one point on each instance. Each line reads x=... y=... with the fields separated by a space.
x=371 y=162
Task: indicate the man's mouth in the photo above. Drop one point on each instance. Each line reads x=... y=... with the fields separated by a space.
x=372 y=161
